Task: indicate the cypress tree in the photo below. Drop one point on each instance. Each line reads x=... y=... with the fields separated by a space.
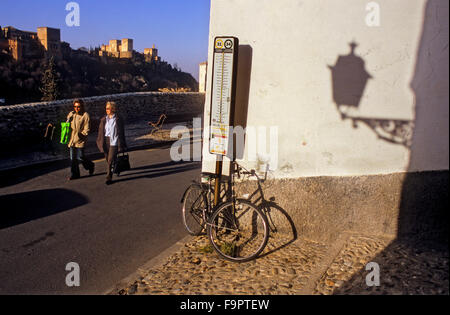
x=50 y=83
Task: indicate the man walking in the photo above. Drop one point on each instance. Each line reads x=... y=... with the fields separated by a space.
x=111 y=138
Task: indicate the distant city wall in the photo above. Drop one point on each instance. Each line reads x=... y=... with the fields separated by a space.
x=25 y=123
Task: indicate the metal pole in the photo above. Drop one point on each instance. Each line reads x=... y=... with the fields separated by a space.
x=219 y=163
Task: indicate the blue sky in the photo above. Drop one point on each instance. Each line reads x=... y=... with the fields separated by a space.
x=178 y=28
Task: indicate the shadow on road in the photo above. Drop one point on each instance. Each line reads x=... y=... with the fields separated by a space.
x=25 y=173
x=28 y=206
x=160 y=165
x=151 y=172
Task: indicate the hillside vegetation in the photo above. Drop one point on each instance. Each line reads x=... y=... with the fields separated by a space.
x=80 y=74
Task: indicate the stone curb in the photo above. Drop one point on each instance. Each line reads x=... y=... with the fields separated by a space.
x=152 y=263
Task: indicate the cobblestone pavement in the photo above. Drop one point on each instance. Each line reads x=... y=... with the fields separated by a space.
x=196 y=269
x=405 y=268
x=289 y=267
x=357 y=252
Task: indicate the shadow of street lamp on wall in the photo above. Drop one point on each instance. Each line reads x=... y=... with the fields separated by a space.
x=349 y=80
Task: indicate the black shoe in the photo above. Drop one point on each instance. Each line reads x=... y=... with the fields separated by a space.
x=108 y=182
x=73 y=177
x=92 y=170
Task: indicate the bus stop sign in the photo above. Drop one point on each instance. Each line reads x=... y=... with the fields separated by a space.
x=223 y=93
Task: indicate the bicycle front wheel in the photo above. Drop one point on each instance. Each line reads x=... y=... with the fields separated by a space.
x=238 y=230
x=194 y=207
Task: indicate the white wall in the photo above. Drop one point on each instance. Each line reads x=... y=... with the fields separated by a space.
x=202 y=73
x=289 y=45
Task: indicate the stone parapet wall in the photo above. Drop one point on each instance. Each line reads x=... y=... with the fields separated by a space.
x=23 y=124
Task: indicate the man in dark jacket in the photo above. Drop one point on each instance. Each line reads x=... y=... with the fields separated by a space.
x=111 y=137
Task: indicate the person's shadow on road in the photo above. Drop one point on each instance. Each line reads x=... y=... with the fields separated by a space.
x=157 y=170
x=28 y=206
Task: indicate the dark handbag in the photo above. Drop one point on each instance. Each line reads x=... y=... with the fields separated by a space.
x=122 y=163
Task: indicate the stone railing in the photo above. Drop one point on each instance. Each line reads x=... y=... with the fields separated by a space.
x=25 y=123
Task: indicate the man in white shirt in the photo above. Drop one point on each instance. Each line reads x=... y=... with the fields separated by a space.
x=111 y=138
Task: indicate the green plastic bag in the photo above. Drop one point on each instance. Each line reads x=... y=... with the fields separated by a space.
x=65 y=132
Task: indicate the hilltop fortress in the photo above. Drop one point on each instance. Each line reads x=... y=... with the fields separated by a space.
x=24 y=44
x=124 y=49
x=118 y=48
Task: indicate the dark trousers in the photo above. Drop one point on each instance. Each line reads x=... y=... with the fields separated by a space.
x=111 y=157
x=77 y=156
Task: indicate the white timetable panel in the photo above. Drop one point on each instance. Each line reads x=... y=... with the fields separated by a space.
x=222 y=89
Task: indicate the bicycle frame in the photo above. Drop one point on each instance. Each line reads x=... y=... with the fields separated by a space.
x=209 y=191
x=228 y=220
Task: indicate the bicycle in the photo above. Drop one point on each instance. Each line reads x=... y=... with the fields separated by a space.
x=236 y=228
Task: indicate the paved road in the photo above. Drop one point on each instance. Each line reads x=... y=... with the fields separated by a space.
x=47 y=222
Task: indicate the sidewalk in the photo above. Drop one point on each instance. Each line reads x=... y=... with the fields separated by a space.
x=295 y=267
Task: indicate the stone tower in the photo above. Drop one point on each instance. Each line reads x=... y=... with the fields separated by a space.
x=50 y=38
x=126 y=48
x=151 y=54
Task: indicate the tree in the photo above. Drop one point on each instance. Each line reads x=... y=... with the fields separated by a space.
x=50 y=84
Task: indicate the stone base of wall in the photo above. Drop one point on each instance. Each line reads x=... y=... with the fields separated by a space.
x=404 y=205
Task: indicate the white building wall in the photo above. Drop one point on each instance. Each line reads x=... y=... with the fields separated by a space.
x=292 y=43
x=203 y=67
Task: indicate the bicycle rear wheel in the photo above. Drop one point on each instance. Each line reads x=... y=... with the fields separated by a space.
x=238 y=231
x=194 y=206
